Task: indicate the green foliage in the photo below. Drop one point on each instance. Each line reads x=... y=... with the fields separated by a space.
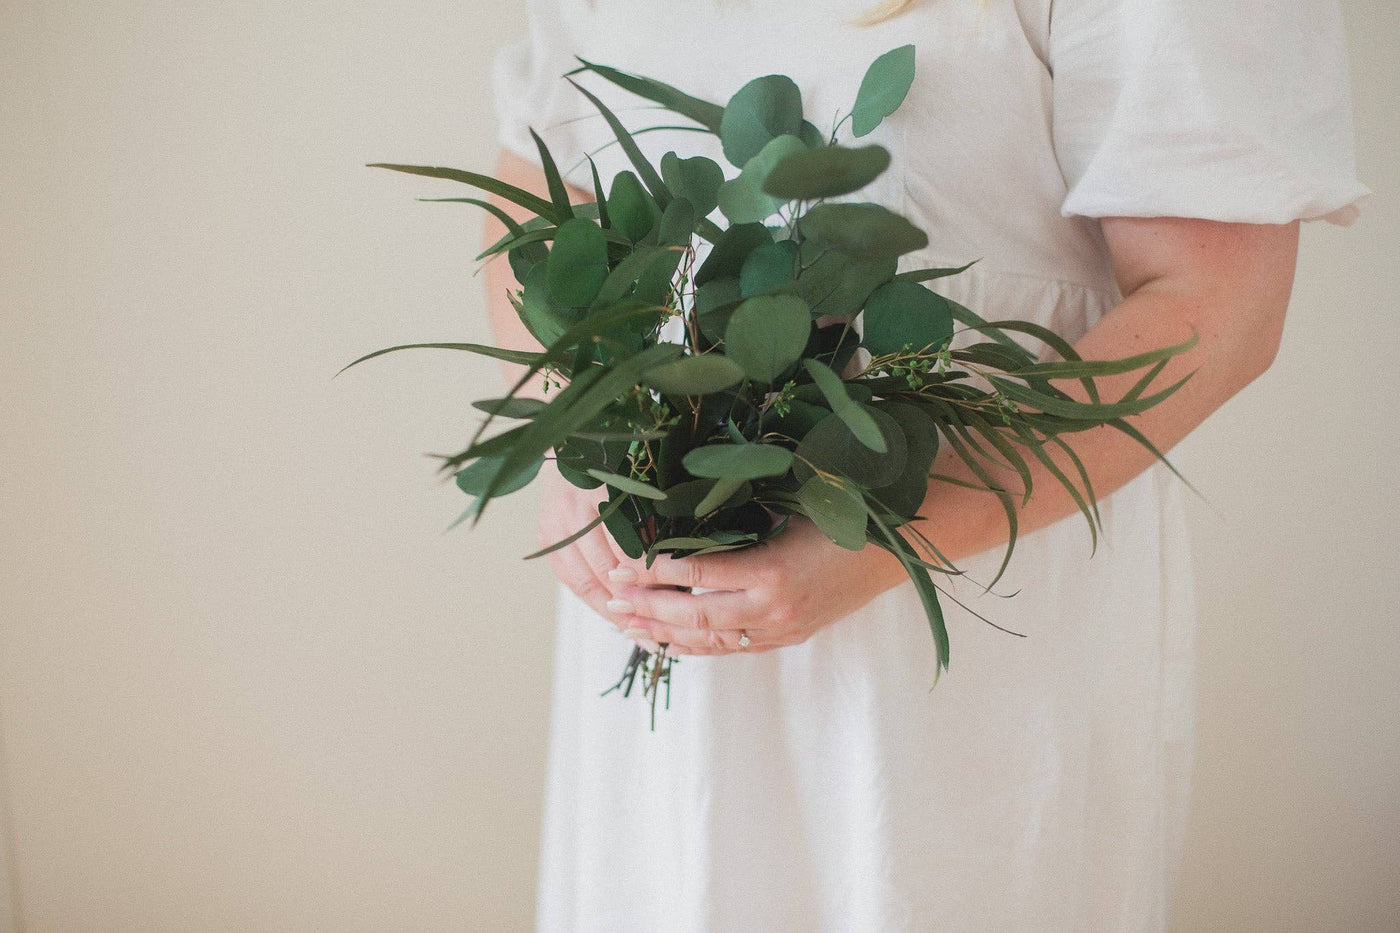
x=861 y=231
x=766 y=335
x=578 y=263
x=836 y=508
x=883 y=89
x=701 y=374
x=743 y=199
x=696 y=179
x=760 y=111
x=631 y=208
x=748 y=411
x=904 y=316
x=769 y=266
x=825 y=172
x=738 y=461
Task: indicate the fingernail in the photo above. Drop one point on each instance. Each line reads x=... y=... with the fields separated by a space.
x=622 y=575
x=640 y=637
x=620 y=606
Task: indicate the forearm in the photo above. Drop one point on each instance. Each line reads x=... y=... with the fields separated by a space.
x=1237 y=328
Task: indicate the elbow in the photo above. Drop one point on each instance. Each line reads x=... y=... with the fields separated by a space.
x=1257 y=347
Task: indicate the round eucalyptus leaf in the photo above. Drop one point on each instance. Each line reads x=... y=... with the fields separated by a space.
x=715 y=301
x=577 y=477
x=694 y=375
x=836 y=509
x=830 y=446
x=620 y=526
x=883 y=89
x=900 y=314
x=677 y=223
x=578 y=263
x=861 y=230
x=907 y=493
x=682 y=498
x=742 y=198
x=760 y=110
x=768 y=267
x=738 y=461
x=826 y=172
x=653 y=283
x=834 y=283
x=800 y=418
x=730 y=250
x=631 y=209
x=811 y=136
x=543 y=315
x=474 y=479
x=696 y=179
x=766 y=334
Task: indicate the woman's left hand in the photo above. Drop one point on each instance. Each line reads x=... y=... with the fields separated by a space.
x=779 y=592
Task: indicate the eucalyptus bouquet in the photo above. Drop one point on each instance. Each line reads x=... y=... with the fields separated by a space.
x=716 y=397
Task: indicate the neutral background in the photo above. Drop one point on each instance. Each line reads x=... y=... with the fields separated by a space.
x=246 y=684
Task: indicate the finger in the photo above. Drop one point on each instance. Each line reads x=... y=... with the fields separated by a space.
x=575 y=573
x=726 y=570
x=684 y=640
x=678 y=650
x=724 y=609
x=593 y=548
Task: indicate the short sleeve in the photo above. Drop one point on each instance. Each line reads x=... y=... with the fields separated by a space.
x=529 y=91
x=1231 y=110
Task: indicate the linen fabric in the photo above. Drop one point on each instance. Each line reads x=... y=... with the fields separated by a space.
x=1043 y=784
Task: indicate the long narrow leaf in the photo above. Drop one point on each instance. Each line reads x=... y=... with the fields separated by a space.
x=645 y=171
x=927 y=275
x=704 y=112
x=524 y=357
x=1006 y=449
x=602 y=516
x=599 y=197
x=539 y=235
x=1078 y=368
x=511 y=224
x=558 y=194
x=510 y=192
x=590 y=327
x=566 y=416
x=1142 y=439
x=1141 y=385
x=1083 y=477
x=1038 y=450
x=1007 y=506
x=1072 y=409
x=923 y=584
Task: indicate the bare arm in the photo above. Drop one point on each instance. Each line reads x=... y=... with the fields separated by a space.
x=1229 y=282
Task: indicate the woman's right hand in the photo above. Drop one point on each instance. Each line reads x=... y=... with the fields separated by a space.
x=583 y=565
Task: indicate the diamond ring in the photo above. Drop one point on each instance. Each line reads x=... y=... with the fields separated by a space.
x=743 y=639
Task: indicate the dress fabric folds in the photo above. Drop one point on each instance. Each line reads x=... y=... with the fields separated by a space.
x=1043 y=784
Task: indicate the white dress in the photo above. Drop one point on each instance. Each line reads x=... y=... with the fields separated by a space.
x=1042 y=785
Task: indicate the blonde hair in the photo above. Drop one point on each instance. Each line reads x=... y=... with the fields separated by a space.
x=886 y=9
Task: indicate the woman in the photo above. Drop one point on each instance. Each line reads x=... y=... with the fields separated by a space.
x=1127 y=171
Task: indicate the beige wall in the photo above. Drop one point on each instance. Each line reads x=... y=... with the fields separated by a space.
x=244 y=682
